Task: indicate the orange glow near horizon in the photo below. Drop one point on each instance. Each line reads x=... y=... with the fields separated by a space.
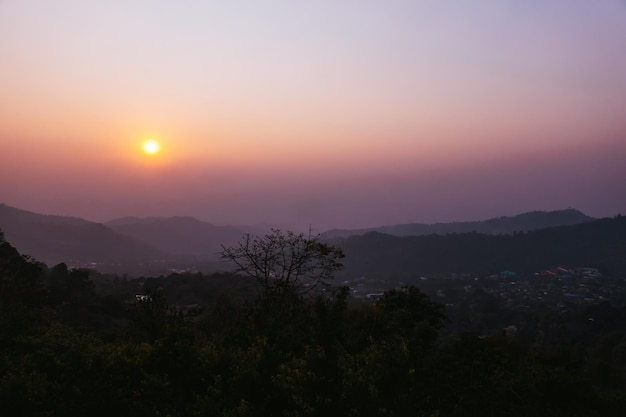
x=356 y=114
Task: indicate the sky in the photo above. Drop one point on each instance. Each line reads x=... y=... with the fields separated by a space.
x=329 y=113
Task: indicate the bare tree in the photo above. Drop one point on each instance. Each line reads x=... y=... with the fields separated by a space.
x=285 y=261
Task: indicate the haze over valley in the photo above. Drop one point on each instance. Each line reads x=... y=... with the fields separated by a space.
x=163 y=245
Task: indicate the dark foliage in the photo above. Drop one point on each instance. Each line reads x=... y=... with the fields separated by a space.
x=68 y=350
x=600 y=243
x=285 y=262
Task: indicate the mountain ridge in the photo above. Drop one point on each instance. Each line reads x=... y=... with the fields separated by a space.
x=130 y=244
x=182 y=236
x=599 y=243
x=54 y=239
x=160 y=244
x=523 y=222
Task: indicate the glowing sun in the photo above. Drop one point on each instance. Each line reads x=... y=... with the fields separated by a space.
x=150 y=147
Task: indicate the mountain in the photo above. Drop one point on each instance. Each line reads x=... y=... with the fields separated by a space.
x=150 y=245
x=184 y=237
x=598 y=243
x=155 y=245
x=75 y=241
x=500 y=225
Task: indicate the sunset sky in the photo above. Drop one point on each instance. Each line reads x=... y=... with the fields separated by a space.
x=342 y=113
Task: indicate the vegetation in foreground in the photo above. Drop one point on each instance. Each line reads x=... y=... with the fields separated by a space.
x=72 y=344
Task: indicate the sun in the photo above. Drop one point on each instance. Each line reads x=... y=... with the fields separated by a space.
x=150 y=147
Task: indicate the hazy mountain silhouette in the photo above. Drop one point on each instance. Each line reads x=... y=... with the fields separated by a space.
x=184 y=237
x=499 y=225
x=154 y=245
x=75 y=241
x=598 y=243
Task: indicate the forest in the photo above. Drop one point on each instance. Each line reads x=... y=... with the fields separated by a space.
x=599 y=243
x=79 y=342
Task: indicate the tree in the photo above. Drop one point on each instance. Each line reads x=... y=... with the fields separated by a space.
x=22 y=292
x=282 y=262
x=409 y=305
x=409 y=313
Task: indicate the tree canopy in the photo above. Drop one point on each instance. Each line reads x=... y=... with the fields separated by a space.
x=285 y=261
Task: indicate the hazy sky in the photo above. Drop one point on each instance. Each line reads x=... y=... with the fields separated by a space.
x=342 y=113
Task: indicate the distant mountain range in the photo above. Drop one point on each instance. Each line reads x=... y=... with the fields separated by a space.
x=55 y=239
x=129 y=244
x=599 y=243
x=500 y=225
x=155 y=245
x=182 y=237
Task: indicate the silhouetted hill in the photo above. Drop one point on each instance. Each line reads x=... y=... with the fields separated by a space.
x=499 y=225
x=123 y=221
x=75 y=241
x=181 y=236
x=599 y=243
x=156 y=245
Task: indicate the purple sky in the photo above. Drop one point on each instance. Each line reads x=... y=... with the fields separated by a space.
x=329 y=113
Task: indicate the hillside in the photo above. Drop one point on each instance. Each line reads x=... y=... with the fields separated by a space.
x=158 y=245
x=184 y=237
x=500 y=225
x=599 y=243
x=75 y=241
